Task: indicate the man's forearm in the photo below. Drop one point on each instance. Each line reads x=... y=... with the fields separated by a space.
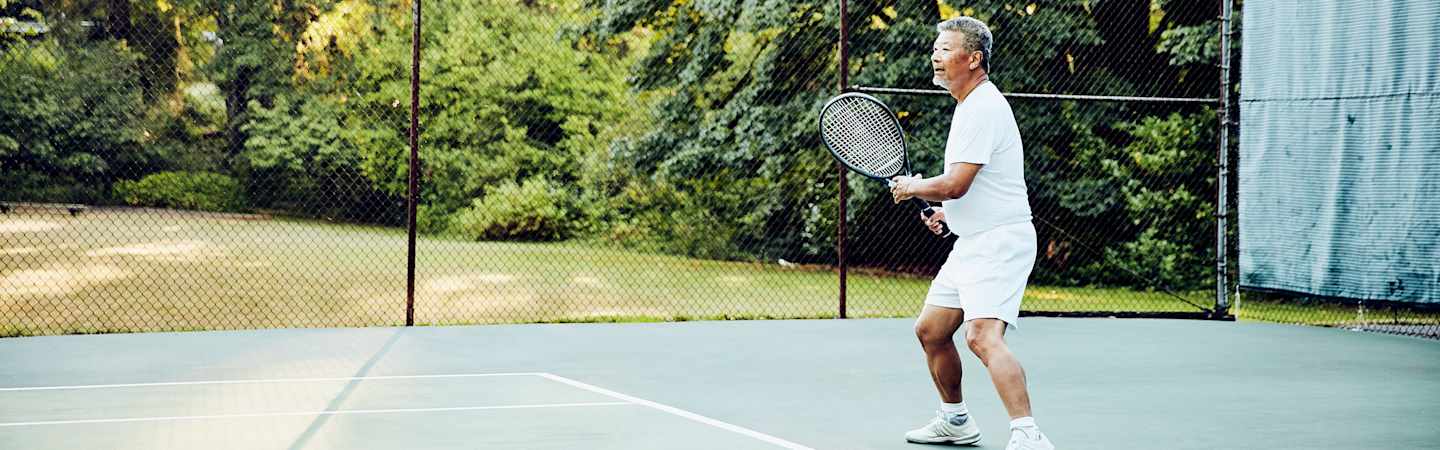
x=934 y=190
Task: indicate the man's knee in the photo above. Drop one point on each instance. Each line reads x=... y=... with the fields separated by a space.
x=931 y=335
x=936 y=326
x=984 y=341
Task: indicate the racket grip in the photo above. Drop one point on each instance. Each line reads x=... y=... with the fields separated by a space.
x=925 y=208
x=928 y=211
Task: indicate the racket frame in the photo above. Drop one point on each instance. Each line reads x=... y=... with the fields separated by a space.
x=925 y=207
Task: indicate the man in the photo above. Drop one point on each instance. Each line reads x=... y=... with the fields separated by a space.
x=985 y=205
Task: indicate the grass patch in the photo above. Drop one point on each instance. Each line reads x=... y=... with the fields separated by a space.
x=1337 y=313
x=129 y=270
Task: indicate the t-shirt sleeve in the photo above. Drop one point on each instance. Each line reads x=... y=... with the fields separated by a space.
x=972 y=139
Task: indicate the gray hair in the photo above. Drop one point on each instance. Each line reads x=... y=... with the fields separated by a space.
x=977 y=36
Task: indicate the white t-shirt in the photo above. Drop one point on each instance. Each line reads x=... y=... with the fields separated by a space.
x=983 y=131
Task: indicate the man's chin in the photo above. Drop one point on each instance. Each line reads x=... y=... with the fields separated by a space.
x=941 y=83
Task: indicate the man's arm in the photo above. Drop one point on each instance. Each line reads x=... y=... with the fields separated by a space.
x=949 y=186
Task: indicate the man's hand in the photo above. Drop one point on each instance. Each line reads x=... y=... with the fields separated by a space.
x=935 y=222
x=901 y=187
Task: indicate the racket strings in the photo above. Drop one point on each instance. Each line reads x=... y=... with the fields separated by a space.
x=865 y=136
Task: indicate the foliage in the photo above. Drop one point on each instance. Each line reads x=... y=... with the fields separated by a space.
x=536 y=210
x=1190 y=45
x=1175 y=216
x=202 y=191
x=504 y=100
x=68 y=116
x=675 y=126
x=733 y=143
x=299 y=156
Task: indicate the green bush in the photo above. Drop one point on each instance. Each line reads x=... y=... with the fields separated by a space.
x=202 y=191
x=537 y=210
x=67 y=120
x=700 y=219
x=431 y=220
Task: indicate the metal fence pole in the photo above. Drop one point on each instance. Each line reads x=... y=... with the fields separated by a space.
x=414 y=165
x=840 y=221
x=1222 y=260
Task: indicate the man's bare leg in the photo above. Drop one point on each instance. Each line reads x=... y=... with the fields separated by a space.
x=936 y=329
x=986 y=337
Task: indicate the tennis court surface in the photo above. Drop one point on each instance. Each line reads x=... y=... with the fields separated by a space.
x=823 y=384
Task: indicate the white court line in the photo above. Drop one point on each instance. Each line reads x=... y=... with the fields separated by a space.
x=308 y=413
x=596 y=389
x=679 y=412
x=271 y=380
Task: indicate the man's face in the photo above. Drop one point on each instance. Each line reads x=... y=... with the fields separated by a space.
x=950 y=62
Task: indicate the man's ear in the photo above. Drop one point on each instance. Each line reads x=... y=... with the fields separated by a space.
x=975 y=60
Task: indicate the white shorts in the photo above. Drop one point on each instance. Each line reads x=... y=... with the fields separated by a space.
x=986 y=272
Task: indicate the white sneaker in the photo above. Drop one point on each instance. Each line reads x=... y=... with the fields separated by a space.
x=1028 y=439
x=958 y=430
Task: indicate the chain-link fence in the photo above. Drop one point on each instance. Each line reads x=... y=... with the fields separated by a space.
x=219 y=165
x=1120 y=135
x=225 y=160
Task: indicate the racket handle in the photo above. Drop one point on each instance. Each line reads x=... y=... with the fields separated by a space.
x=928 y=211
x=924 y=208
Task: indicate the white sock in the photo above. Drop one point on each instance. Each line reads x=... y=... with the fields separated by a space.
x=1027 y=423
x=954 y=408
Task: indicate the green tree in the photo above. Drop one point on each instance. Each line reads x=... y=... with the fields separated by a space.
x=507 y=96
x=299 y=156
x=732 y=150
x=67 y=119
x=733 y=136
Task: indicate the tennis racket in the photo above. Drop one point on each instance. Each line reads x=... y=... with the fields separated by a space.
x=865 y=136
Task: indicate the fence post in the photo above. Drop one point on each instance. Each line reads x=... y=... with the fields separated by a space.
x=414 y=165
x=844 y=73
x=1222 y=251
